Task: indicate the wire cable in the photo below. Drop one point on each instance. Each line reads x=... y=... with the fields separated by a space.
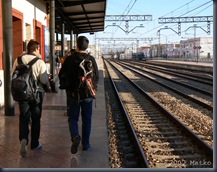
x=196 y=8
x=179 y=16
x=126 y=14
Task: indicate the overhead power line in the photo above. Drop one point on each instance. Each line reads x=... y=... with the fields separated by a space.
x=180 y=15
x=126 y=14
x=177 y=8
x=196 y=8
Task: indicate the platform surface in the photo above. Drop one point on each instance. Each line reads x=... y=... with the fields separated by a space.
x=55 y=136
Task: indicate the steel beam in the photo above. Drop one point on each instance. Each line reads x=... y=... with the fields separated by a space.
x=128 y=18
x=164 y=20
x=126 y=39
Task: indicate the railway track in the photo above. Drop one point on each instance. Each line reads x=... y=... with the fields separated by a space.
x=199 y=76
x=164 y=139
x=204 y=88
x=198 y=118
x=182 y=68
x=200 y=96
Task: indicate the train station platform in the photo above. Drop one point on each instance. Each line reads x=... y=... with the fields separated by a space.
x=55 y=136
x=194 y=65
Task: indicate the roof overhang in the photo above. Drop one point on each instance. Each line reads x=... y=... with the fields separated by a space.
x=80 y=16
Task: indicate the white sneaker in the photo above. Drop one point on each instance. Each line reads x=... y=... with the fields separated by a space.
x=23 y=149
x=38 y=147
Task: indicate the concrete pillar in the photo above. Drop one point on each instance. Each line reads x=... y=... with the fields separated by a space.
x=71 y=40
x=62 y=39
x=7 y=55
x=52 y=37
x=75 y=38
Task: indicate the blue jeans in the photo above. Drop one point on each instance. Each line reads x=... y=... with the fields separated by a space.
x=27 y=110
x=73 y=111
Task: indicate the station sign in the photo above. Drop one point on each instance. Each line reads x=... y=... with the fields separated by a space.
x=197 y=47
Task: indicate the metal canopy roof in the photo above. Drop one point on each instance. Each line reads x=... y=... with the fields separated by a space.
x=80 y=16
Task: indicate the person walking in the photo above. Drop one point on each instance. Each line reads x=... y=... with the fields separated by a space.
x=30 y=111
x=70 y=53
x=78 y=101
x=62 y=59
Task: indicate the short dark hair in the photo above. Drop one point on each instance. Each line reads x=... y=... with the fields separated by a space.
x=82 y=43
x=32 y=46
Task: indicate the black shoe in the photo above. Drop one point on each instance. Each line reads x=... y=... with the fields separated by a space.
x=86 y=147
x=75 y=144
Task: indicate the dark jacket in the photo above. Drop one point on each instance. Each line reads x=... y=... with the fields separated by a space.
x=70 y=71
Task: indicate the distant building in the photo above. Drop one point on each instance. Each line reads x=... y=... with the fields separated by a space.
x=201 y=47
x=164 y=50
x=145 y=50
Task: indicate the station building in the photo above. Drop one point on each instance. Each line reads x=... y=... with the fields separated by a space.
x=44 y=21
x=201 y=47
x=30 y=21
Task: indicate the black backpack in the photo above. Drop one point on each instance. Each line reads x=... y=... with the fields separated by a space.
x=23 y=85
x=80 y=83
x=85 y=79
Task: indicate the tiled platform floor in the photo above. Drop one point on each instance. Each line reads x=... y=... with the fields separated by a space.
x=55 y=137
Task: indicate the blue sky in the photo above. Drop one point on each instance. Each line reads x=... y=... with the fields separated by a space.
x=156 y=8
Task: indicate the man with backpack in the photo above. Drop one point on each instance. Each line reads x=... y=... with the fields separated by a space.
x=81 y=76
x=31 y=108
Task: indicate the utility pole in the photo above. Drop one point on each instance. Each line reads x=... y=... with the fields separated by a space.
x=95 y=44
x=196 y=47
x=195 y=26
x=159 y=49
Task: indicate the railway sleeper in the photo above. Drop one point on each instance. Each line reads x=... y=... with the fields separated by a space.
x=174 y=151
x=166 y=145
x=130 y=164
x=168 y=138
x=128 y=149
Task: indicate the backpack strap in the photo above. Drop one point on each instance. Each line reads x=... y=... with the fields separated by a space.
x=33 y=61
x=19 y=60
